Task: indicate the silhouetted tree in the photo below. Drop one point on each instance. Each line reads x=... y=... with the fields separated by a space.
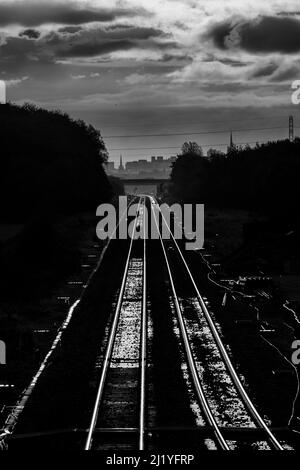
x=261 y=178
x=49 y=162
x=191 y=148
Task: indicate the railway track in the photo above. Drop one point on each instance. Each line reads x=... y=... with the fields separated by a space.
x=135 y=375
x=120 y=415
x=207 y=318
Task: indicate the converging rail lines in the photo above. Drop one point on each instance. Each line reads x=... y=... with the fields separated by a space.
x=137 y=374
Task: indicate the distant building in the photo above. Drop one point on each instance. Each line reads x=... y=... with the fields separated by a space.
x=157 y=167
x=231 y=144
x=121 y=168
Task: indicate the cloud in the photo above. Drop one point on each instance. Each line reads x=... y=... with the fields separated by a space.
x=19 y=50
x=212 y=71
x=94 y=49
x=78 y=42
x=35 y=13
x=233 y=62
x=111 y=51
x=15 y=81
x=98 y=41
x=3 y=39
x=168 y=57
x=135 y=78
x=265 y=70
x=84 y=76
x=30 y=33
x=288 y=73
x=70 y=29
x=121 y=26
x=264 y=34
x=289 y=13
x=78 y=77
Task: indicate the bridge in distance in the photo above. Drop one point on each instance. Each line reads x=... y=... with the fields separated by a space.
x=149 y=186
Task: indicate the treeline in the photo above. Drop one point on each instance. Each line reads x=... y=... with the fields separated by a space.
x=50 y=174
x=49 y=163
x=263 y=178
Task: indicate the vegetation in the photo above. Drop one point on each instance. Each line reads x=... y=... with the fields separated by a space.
x=51 y=172
x=49 y=163
x=263 y=178
x=41 y=255
x=251 y=197
x=117 y=185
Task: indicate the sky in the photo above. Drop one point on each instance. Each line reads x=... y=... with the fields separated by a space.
x=140 y=69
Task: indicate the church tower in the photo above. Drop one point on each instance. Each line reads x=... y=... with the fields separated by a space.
x=231 y=144
x=121 y=167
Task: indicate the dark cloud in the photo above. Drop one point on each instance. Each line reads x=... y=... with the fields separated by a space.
x=93 y=42
x=77 y=42
x=225 y=60
x=134 y=33
x=176 y=58
x=289 y=73
x=97 y=35
x=106 y=47
x=233 y=63
x=30 y=33
x=19 y=52
x=218 y=33
x=94 y=49
x=34 y=13
x=17 y=46
x=265 y=34
x=265 y=70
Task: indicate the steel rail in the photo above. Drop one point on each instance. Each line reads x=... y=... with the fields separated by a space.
x=109 y=348
x=143 y=346
x=11 y=421
x=189 y=355
x=246 y=399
